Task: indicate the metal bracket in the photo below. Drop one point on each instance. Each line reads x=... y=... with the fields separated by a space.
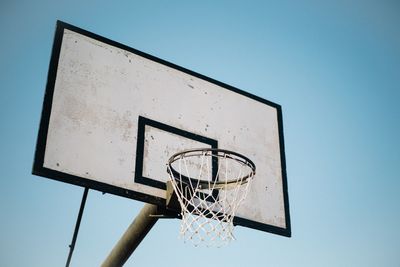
x=172 y=202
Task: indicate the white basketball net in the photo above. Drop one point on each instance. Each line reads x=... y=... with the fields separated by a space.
x=219 y=182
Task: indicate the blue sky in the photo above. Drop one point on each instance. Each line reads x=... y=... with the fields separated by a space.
x=333 y=66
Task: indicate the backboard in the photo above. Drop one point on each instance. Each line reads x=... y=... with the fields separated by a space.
x=112 y=116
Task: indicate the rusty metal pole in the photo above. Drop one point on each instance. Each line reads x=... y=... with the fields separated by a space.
x=132 y=237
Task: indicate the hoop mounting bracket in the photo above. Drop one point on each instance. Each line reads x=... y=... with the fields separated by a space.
x=172 y=202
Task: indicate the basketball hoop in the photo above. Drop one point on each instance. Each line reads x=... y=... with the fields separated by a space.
x=210 y=184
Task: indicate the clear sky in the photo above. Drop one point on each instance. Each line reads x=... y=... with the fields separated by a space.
x=334 y=66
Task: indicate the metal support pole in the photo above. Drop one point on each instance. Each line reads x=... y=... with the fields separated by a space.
x=132 y=236
x=78 y=223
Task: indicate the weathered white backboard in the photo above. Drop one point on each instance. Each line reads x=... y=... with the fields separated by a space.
x=112 y=116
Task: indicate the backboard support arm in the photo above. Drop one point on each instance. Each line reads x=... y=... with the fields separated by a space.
x=132 y=237
x=77 y=225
